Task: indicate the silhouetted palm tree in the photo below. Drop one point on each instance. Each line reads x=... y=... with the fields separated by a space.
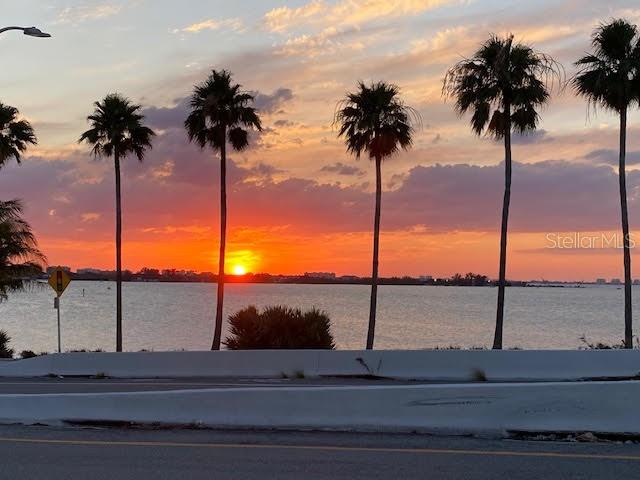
x=221 y=112
x=20 y=258
x=376 y=121
x=503 y=84
x=15 y=135
x=117 y=131
x=610 y=77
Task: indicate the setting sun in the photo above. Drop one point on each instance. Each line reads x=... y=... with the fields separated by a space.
x=239 y=270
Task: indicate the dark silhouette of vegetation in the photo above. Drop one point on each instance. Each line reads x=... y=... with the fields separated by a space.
x=279 y=328
x=15 y=135
x=20 y=258
x=588 y=345
x=5 y=351
x=28 y=354
x=502 y=84
x=374 y=120
x=221 y=112
x=117 y=131
x=610 y=78
x=469 y=280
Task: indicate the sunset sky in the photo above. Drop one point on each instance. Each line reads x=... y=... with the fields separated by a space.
x=297 y=201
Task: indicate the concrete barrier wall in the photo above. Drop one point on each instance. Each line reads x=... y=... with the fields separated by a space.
x=423 y=364
x=472 y=408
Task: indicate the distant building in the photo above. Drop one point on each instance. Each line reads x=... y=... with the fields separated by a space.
x=601 y=281
x=615 y=281
x=426 y=278
x=50 y=270
x=323 y=275
x=90 y=271
x=349 y=278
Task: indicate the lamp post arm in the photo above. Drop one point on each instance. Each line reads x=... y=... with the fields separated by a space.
x=2 y=30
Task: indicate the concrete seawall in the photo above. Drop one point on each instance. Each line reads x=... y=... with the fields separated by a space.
x=452 y=366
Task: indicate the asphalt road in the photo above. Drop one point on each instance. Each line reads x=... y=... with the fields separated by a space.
x=56 y=453
x=87 y=385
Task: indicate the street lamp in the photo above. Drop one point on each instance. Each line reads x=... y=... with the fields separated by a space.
x=30 y=31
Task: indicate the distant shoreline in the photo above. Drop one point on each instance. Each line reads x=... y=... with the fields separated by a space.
x=385 y=282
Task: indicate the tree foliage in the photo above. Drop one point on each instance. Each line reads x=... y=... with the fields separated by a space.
x=15 y=135
x=502 y=75
x=609 y=77
x=221 y=111
x=20 y=258
x=116 y=127
x=5 y=351
x=376 y=121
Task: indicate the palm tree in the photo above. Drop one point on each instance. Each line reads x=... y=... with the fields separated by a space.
x=116 y=131
x=610 y=78
x=376 y=121
x=15 y=135
x=20 y=258
x=502 y=84
x=221 y=112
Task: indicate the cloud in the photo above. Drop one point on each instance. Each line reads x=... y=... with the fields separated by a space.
x=284 y=123
x=87 y=12
x=345 y=12
x=327 y=42
x=606 y=156
x=90 y=217
x=535 y=137
x=283 y=18
x=546 y=196
x=360 y=11
x=173 y=117
x=233 y=24
x=271 y=103
x=340 y=168
x=168 y=117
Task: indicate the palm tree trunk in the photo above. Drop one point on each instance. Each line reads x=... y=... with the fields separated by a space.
x=223 y=243
x=497 y=338
x=376 y=248
x=118 y=255
x=626 y=240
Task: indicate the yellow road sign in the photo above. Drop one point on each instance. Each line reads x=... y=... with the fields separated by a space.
x=59 y=280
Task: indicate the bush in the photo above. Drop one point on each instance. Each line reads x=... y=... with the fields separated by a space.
x=5 y=351
x=279 y=327
x=28 y=354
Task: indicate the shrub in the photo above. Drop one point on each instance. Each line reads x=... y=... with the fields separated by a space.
x=5 y=351
x=28 y=354
x=279 y=327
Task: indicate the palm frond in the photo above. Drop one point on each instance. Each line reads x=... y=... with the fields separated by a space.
x=609 y=77
x=15 y=135
x=117 y=126
x=375 y=120
x=217 y=106
x=502 y=75
x=20 y=258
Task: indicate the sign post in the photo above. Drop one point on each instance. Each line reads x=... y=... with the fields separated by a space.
x=59 y=280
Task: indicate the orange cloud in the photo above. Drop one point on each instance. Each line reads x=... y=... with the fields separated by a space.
x=345 y=12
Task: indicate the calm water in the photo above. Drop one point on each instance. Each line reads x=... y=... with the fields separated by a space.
x=167 y=316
